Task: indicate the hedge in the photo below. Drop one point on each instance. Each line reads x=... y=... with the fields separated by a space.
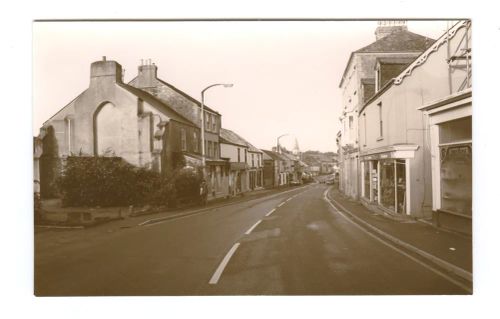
x=111 y=181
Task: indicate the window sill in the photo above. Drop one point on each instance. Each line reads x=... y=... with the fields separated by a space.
x=380 y=138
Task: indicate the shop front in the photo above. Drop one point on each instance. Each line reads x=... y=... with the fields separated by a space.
x=451 y=148
x=217 y=176
x=385 y=172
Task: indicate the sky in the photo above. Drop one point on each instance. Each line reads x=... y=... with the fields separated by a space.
x=285 y=73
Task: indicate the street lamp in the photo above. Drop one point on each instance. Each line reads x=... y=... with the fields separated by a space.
x=278 y=142
x=203 y=119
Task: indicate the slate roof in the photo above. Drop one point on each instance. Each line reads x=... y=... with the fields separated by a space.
x=403 y=41
x=183 y=94
x=230 y=137
x=233 y=138
x=275 y=155
x=156 y=103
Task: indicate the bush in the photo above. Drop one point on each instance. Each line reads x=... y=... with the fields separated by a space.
x=187 y=183
x=111 y=181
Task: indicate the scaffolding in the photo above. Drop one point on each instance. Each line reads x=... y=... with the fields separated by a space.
x=460 y=59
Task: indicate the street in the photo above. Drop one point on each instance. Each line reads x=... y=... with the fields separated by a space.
x=293 y=243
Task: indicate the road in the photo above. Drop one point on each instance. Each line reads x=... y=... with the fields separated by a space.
x=293 y=243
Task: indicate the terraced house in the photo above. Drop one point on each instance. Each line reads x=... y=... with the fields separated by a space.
x=416 y=131
x=368 y=68
x=148 y=122
x=111 y=118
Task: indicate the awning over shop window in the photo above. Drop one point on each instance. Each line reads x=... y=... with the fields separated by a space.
x=392 y=151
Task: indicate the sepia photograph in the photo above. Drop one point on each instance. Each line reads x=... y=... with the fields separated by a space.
x=252 y=157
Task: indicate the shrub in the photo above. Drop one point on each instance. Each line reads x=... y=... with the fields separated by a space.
x=187 y=183
x=103 y=181
x=111 y=181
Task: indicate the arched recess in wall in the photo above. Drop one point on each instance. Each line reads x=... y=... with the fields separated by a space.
x=108 y=130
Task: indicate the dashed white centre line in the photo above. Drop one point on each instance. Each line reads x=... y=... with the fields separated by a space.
x=252 y=228
x=281 y=204
x=271 y=211
x=223 y=264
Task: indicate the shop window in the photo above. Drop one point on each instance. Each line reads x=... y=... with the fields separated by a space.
x=393 y=185
x=374 y=180
x=387 y=184
x=455 y=148
x=366 y=180
x=401 y=186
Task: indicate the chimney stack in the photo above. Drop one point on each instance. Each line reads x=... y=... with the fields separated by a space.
x=387 y=27
x=104 y=70
x=147 y=74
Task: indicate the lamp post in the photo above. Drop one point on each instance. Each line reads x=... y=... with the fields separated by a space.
x=278 y=142
x=203 y=119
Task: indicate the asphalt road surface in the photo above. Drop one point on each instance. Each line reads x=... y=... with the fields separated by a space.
x=293 y=243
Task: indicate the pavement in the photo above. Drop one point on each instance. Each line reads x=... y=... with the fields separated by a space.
x=138 y=214
x=450 y=250
x=288 y=243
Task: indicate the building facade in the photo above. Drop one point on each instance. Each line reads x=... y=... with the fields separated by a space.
x=255 y=164
x=216 y=168
x=358 y=83
x=234 y=150
x=274 y=169
x=111 y=118
x=396 y=148
x=450 y=121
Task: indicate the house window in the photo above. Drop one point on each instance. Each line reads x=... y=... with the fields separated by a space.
x=214 y=122
x=246 y=158
x=195 y=141
x=377 y=79
x=381 y=131
x=253 y=163
x=209 y=152
x=216 y=149
x=365 y=129
x=183 y=140
x=239 y=156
